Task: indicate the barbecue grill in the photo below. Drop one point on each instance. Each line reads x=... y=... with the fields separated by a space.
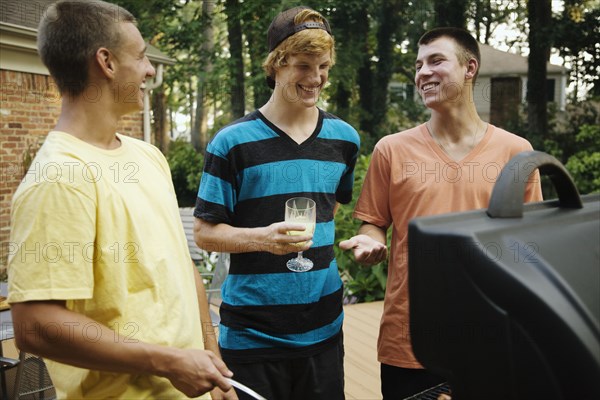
x=505 y=302
x=432 y=394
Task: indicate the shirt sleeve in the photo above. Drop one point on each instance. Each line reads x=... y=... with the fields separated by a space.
x=344 y=191
x=52 y=244
x=373 y=203
x=216 y=194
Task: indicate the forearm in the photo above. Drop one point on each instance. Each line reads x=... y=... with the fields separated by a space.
x=224 y=238
x=373 y=231
x=208 y=332
x=51 y=331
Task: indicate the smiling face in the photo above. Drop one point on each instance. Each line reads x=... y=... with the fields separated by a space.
x=303 y=77
x=440 y=77
x=132 y=69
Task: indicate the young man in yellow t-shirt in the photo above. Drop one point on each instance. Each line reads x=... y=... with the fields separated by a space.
x=448 y=164
x=100 y=280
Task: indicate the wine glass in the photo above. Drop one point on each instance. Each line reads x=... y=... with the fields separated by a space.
x=303 y=211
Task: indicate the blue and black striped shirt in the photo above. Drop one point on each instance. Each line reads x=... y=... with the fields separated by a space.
x=251 y=168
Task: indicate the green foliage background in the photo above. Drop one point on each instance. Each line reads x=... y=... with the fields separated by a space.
x=186 y=168
x=361 y=283
x=375 y=44
x=574 y=139
x=584 y=165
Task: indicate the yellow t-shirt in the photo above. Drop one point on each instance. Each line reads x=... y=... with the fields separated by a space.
x=411 y=176
x=101 y=230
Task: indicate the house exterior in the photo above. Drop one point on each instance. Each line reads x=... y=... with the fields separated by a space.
x=30 y=101
x=502 y=85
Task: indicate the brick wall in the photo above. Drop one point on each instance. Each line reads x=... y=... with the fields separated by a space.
x=29 y=108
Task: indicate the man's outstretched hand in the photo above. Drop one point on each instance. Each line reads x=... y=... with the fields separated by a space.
x=367 y=250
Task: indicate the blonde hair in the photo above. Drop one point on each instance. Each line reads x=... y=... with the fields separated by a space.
x=307 y=41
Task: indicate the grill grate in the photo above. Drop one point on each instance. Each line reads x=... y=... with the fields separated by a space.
x=35 y=381
x=431 y=393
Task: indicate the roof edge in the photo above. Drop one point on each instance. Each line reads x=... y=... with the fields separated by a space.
x=19 y=29
x=153 y=53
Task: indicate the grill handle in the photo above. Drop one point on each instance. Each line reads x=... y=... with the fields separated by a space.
x=509 y=190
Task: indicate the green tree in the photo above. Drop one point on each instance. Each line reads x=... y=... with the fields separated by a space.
x=350 y=28
x=186 y=168
x=256 y=17
x=204 y=82
x=451 y=13
x=540 y=18
x=487 y=16
x=371 y=43
x=236 y=62
x=584 y=165
x=150 y=15
x=376 y=42
x=577 y=34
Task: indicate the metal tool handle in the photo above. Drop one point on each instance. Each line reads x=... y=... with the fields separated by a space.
x=245 y=389
x=509 y=190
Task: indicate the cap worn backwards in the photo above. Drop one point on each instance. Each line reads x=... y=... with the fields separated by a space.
x=283 y=26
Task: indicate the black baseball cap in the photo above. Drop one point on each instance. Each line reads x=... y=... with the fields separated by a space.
x=283 y=27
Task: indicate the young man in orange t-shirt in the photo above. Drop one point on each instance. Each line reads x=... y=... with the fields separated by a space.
x=448 y=164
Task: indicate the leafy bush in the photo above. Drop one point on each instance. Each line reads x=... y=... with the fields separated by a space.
x=186 y=169
x=361 y=284
x=572 y=138
x=584 y=165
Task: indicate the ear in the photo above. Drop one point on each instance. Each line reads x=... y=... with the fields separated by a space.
x=472 y=67
x=105 y=61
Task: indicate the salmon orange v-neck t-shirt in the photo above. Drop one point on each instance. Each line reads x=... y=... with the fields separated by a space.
x=410 y=176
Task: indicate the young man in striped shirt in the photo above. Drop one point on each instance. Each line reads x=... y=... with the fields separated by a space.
x=281 y=331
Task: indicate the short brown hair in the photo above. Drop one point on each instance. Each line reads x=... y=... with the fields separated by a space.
x=467 y=47
x=307 y=41
x=70 y=33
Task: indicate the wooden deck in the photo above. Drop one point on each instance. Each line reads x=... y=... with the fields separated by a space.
x=361 y=327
